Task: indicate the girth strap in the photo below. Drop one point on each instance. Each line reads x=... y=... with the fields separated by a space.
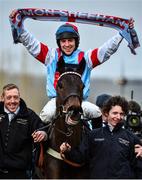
x=54 y=153
x=60 y=156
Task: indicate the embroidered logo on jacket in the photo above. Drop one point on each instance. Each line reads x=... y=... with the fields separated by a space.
x=99 y=139
x=22 y=121
x=123 y=141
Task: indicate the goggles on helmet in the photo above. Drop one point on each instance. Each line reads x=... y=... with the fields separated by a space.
x=67 y=31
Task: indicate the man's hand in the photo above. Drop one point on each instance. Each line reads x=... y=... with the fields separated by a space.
x=39 y=136
x=131 y=23
x=13 y=14
x=138 y=150
x=65 y=147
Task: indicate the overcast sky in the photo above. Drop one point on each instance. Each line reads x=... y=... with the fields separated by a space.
x=122 y=63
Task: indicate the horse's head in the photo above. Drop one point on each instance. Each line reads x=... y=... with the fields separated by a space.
x=69 y=96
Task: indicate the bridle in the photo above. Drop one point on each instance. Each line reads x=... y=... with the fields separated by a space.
x=69 y=72
x=72 y=116
x=68 y=133
x=62 y=109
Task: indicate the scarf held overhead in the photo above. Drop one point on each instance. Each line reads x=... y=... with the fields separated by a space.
x=117 y=23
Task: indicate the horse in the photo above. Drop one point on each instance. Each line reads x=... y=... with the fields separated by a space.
x=67 y=126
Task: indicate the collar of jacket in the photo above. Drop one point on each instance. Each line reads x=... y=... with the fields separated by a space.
x=117 y=127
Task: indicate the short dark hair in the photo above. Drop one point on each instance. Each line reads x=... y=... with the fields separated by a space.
x=114 y=101
x=8 y=87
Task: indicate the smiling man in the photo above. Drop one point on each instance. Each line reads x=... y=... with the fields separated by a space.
x=18 y=125
x=11 y=99
x=67 y=45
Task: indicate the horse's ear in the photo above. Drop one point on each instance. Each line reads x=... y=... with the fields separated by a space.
x=61 y=65
x=81 y=66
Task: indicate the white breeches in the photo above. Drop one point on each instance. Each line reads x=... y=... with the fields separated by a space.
x=90 y=110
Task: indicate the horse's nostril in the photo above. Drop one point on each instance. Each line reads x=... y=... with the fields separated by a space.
x=75 y=110
x=75 y=113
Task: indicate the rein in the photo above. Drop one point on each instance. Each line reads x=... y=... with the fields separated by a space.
x=70 y=162
x=68 y=134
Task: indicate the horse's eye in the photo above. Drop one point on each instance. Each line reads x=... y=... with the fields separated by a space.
x=83 y=86
x=60 y=85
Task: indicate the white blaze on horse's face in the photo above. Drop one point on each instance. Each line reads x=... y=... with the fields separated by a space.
x=67 y=45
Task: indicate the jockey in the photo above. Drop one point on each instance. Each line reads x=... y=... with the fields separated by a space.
x=68 y=39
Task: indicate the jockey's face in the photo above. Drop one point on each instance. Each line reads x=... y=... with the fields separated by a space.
x=11 y=99
x=67 y=45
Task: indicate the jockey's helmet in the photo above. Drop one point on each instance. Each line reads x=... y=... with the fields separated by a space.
x=67 y=31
